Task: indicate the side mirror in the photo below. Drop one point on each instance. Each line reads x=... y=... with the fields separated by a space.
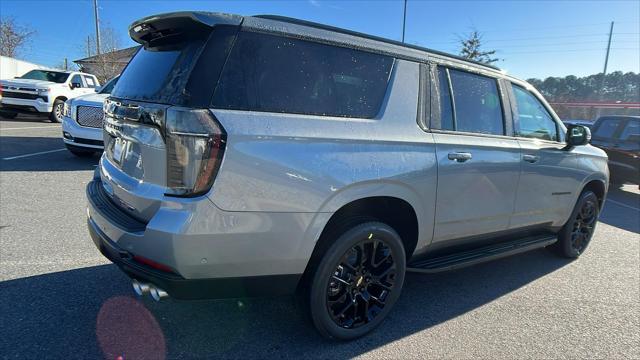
x=98 y=89
x=74 y=85
x=577 y=135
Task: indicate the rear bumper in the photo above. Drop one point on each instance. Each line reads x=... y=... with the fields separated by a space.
x=214 y=254
x=25 y=105
x=193 y=289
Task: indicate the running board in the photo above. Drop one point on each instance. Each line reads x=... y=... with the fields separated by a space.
x=480 y=255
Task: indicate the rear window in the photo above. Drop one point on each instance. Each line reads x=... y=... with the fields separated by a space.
x=157 y=76
x=277 y=74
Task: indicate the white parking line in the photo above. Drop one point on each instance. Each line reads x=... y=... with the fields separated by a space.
x=33 y=154
x=31 y=127
x=623 y=204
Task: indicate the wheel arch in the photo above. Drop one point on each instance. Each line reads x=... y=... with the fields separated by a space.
x=397 y=207
x=599 y=188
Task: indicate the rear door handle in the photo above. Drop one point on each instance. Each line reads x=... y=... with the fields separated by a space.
x=530 y=158
x=460 y=156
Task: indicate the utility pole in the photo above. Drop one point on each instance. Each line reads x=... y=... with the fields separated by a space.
x=88 y=46
x=604 y=71
x=95 y=15
x=65 y=64
x=404 y=19
x=606 y=59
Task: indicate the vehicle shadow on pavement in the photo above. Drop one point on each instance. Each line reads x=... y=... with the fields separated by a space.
x=54 y=155
x=29 y=118
x=620 y=216
x=91 y=313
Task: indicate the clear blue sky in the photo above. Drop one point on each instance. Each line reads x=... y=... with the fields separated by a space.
x=533 y=39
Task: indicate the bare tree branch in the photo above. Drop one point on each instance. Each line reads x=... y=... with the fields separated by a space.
x=13 y=37
x=108 y=64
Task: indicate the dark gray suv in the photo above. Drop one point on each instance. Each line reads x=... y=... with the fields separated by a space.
x=264 y=155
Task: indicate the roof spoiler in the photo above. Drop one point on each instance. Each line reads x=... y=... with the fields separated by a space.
x=177 y=27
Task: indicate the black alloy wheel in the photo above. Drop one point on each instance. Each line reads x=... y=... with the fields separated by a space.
x=576 y=234
x=583 y=225
x=361 y=283
x=357 y=281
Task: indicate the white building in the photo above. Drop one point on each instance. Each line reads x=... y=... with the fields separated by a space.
x=10 y=67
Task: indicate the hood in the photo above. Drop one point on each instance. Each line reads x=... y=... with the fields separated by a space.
x=28 y=83
x=90 y=100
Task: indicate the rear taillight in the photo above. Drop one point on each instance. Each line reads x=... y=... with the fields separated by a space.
x=195 y=145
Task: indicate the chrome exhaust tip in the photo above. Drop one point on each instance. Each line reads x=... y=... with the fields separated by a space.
x=139 y=288
x=158 y=294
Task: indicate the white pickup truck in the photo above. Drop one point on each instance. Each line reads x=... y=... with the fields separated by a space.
x=44 y=92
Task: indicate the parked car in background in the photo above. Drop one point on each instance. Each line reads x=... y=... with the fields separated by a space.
x=619 y=137
x=44 y=92
x=586 y=123
x=82 y=121
x=260 y=155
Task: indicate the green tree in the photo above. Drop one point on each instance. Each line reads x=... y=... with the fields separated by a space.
x=471 y=49
x=619 y=86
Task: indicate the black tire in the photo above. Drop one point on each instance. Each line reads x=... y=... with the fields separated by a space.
x=576 y=234
x=8 y=114
x=361 y=272
x=79 y=152
x=57 y=111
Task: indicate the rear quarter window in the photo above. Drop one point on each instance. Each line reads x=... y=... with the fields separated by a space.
x=278 y=74
x=476 y=103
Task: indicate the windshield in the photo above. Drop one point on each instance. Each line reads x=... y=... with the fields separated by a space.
x=109 y=86
x=53 y=76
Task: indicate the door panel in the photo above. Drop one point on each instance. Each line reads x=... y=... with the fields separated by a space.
x=477 y=183
x=548 y=182
x=549 y=177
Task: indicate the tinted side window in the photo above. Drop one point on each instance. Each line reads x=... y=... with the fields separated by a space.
x=632 y=128
x=278 y=74
x=446 y=106
x=606 y=128
x=77 y=79
x=477 y=103
x=534 y=120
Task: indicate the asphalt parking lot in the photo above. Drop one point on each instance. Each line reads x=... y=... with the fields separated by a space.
x=59 y=298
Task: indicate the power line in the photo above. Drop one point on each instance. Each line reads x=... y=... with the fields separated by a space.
x=562 y=51
x=562 y=44
x=539 y=38
x=546 y=44
x=557 y=27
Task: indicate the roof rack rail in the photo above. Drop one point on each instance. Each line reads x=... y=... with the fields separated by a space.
x=367 y=36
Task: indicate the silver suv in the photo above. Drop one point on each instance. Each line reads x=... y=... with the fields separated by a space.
x=260 y=155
